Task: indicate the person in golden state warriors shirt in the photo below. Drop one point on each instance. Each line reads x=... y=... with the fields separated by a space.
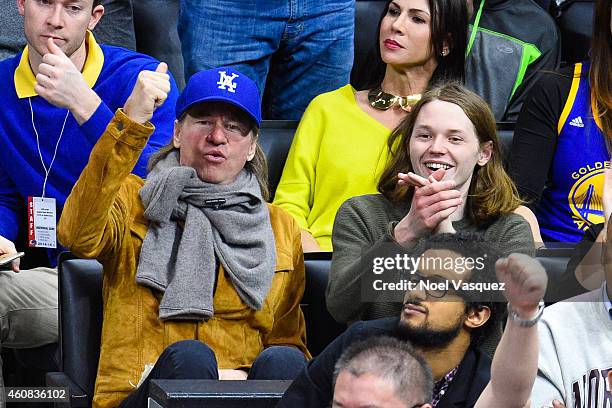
x=560 y=147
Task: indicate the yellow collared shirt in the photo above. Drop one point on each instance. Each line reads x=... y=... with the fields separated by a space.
x=25 y=80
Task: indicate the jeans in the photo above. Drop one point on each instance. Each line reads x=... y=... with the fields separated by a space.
x=117 y=25
x=12 y=39
x=294 y=49
x=192 y=359
x=28 y=309
x=155 y=25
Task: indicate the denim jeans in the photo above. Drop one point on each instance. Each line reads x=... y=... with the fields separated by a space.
x=117 y=25
x=12 y=39
x=294 y=49
x=192 y=359
x=155 y=25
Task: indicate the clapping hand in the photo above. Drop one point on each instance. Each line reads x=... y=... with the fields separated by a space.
x=433 y=202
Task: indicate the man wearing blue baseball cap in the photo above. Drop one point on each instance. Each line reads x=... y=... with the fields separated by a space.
x=203 y=279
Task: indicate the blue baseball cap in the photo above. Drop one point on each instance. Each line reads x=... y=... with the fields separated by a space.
x=223 y=84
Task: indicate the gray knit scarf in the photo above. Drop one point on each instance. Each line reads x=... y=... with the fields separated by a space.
x=231 y=222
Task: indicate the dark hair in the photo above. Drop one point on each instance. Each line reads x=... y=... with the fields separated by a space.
x=392 y=360
x=449 y=22
x=599 y=75
x=492 y=192
x=258 y=165
x=96 y=3
x=473 y=245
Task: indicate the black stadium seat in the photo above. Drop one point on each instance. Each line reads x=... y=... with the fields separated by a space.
x=545 y=4
x=555 y=261
x=367 y=14
x=80 y=313
x=505 y=133
x=321 y=328
x=216 y=394
x=575 y=21
x=80 y=303
x=275 y=138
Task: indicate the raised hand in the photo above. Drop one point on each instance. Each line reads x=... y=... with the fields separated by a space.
x=62 y=84
x=446 y=226
x=525 y=282
x=149 y=93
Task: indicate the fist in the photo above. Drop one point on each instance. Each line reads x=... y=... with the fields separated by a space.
x=525 y=282
x=149 y=93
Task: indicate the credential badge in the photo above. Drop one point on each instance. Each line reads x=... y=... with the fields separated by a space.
x=227 y=82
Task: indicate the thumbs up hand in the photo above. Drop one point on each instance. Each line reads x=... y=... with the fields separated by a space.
x=149 y=93
x=62 y=84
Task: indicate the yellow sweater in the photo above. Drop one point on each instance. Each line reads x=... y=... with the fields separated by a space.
x=338 y=152
x=103 y=218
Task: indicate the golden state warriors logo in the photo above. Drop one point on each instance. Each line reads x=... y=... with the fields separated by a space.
x=585 y=196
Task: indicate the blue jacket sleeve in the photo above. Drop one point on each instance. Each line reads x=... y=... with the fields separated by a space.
x=9 y=207
x=97 y=123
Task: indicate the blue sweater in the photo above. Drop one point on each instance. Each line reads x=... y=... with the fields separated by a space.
x=21 y=170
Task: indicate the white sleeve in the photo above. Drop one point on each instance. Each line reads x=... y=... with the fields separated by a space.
x=549 y=381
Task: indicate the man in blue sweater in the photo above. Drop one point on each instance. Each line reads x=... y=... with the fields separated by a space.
x=58 y=96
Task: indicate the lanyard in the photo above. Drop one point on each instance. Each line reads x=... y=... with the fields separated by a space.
x=47 y=170
x=475 y=28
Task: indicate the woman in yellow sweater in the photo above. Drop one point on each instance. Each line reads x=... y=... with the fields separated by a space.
x=340 y=147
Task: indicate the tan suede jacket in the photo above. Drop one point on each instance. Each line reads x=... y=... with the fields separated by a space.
x=103 y=219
